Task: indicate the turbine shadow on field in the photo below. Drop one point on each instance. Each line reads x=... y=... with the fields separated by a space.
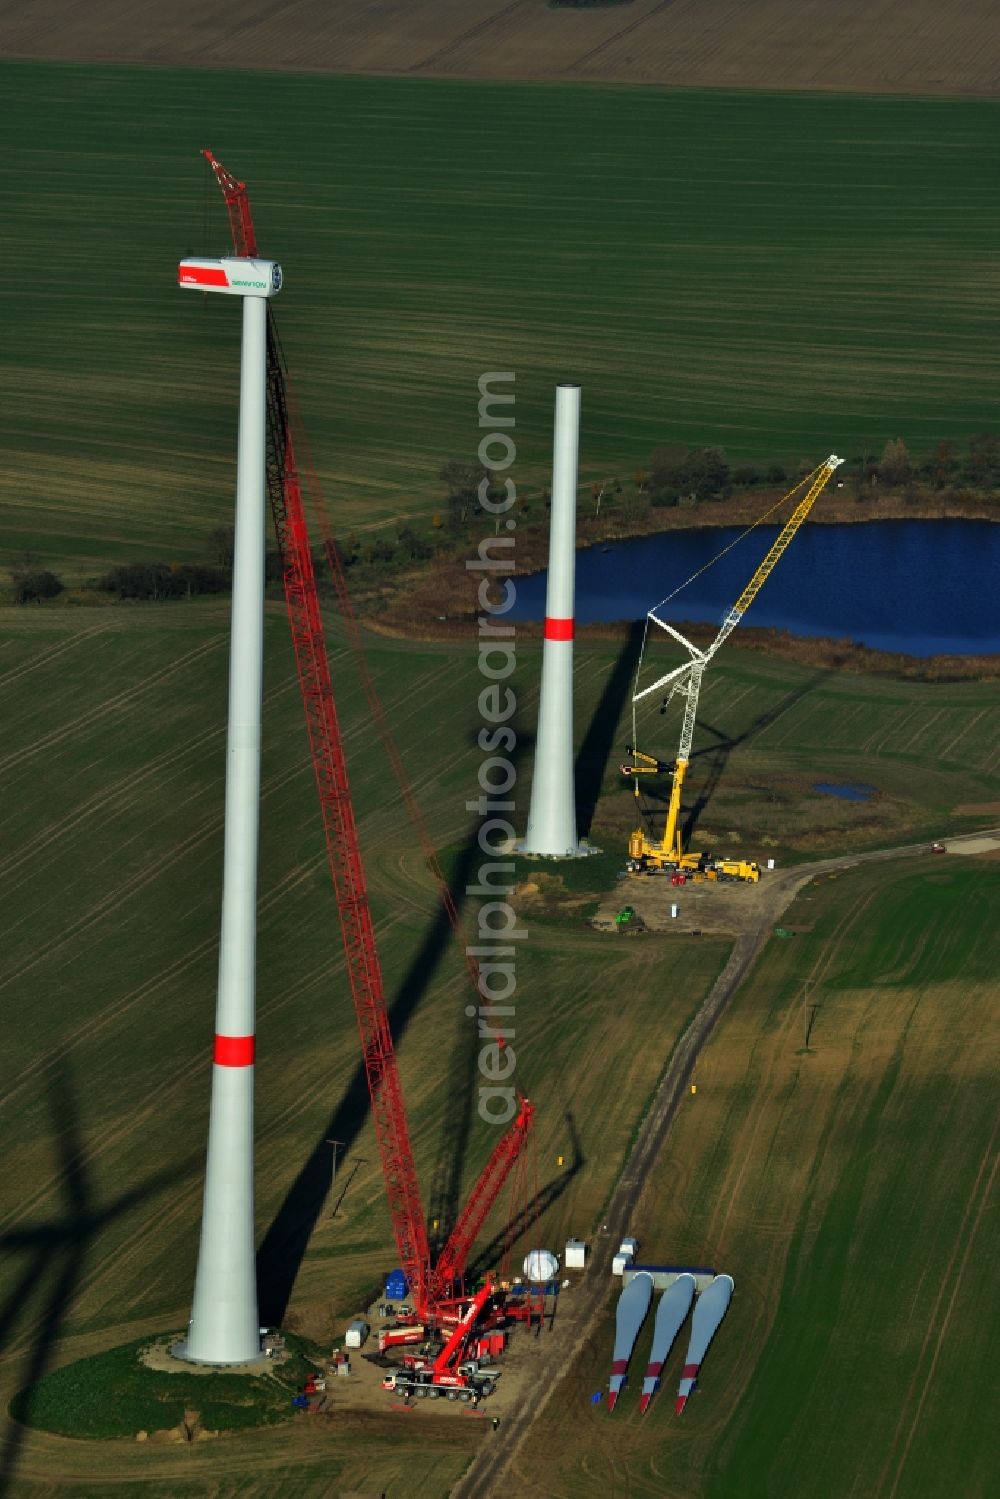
x=57 y=1252
x=461 y=1071
x=598 y=742
x=717 y=755
x=526 y=1216
x=284 y=1244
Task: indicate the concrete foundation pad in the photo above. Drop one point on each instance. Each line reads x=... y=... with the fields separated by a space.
x=170 y=1357
x=583 y=850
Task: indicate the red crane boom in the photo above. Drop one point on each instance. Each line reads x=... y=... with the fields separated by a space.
x=430 y=1286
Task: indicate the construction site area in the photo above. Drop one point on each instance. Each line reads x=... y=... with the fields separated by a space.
x=487 y=1064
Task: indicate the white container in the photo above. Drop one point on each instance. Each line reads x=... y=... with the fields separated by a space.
x=770 y=863
x=629 y=1246
x=674 y=912
x=357 y=1334
x=575 y=1257
x=619 y=1263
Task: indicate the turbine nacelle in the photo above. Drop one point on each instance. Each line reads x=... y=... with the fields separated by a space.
x=232 y=275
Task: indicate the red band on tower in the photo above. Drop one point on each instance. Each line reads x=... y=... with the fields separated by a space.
x=234 y=1051
x=690 y=1371
x=558 y=629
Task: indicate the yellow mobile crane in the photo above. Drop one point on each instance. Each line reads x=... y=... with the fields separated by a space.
x=644 y=853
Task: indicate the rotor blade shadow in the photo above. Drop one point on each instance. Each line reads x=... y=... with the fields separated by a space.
x=462 y=1072
x=550 y=1193
x=717 y=755
x=58 y=1252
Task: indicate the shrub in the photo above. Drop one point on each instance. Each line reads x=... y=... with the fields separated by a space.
x=703 y=472
x=982 y=466
x=634 y=506
x=159 y=580
x=895 y=467
x=33 y=587
x=413 y=546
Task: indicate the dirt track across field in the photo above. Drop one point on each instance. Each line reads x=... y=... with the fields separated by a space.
x=580 y=1308
x=871 y=46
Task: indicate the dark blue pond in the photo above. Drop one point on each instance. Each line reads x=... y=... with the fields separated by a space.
x=922 y=587
x=848 y=791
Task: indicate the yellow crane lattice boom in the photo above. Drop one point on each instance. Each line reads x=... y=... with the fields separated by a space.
x=687 y=677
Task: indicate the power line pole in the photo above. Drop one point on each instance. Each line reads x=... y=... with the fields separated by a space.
x=808 y=1014
x=336 y=1144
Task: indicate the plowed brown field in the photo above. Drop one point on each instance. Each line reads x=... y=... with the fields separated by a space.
x=907 y=46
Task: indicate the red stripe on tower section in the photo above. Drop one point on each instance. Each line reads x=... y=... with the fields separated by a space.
x=690 y=1371
x=558 y=629
x=653 y=1371
x=619 y=1366
x=234 y=1051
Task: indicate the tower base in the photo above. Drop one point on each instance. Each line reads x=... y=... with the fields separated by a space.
x=257 y=1364
x=582 y=851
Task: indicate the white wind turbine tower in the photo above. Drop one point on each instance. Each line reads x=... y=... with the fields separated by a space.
x=224 y=1324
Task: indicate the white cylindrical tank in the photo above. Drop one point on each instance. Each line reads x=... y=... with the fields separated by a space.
x=540 y=1265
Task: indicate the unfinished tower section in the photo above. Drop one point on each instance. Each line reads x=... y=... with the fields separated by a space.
x=551 y=828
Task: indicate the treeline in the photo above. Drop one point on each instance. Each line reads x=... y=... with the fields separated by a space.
x=676 y=475
x=161 y=580
x=691 y=476
x=157 y=581
x=685 y=476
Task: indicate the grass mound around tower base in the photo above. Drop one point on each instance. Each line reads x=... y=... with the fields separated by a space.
x=116 y=1394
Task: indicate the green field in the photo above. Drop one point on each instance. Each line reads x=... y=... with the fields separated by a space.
x=779 y=274
x=849 y=1191
x=111 y=822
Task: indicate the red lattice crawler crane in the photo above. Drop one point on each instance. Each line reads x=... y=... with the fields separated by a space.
x=435 y=1288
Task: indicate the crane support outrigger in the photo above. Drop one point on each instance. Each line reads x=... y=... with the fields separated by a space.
x=669 y=854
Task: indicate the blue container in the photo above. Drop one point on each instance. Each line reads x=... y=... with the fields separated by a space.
x=395 y=1286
